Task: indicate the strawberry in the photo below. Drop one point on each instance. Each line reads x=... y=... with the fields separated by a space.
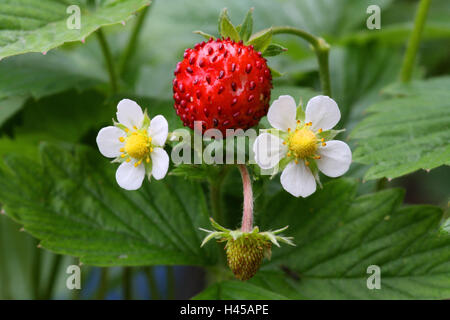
x=245 y=254
x=222 y=83
x=246 y=250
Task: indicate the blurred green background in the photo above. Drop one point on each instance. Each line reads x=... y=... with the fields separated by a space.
x=63 y=96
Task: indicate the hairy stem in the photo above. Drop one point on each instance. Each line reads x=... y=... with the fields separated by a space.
x=247 y=216
x=108 y=59
x=414 y=41
x=132 y=43
x=321 y=49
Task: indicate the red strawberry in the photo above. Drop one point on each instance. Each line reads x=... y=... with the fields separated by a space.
x=223 y=84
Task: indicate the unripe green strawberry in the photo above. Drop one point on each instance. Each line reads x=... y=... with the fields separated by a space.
x=245 y=254
x=246 y=250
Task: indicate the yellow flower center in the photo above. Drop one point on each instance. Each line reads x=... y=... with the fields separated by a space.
x=303 y=143
x=137 y=145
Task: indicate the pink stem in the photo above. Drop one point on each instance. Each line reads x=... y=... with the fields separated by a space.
x=247 y=216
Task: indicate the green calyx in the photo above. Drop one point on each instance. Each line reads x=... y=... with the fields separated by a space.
x=261 y=41
x=246 y=250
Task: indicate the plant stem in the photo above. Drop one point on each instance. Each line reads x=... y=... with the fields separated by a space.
x=321 y=49
x=132 y=43
x=215 y=195
x=56 y=263
x=296 y=32
x=36 y=270
x=127 y=287
x=414 y=41
x=103 y=287
x=322 y=53
x=170 y=283
x=247 y=216
x=108 y=59
x=154 y=292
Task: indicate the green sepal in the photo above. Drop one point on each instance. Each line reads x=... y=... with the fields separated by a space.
x=205 y=35
x=261 y=40
x=148 y=169
x=119 y=125
x=283 y=163
x=274 y=50
x=275 y=73
x=329 y=134
x=315 y=171
x=118 y=159
x=217 y=226
x=300 y=112
x=146 y=122
x=223 y=234
x=246 y=28
x=226 y=28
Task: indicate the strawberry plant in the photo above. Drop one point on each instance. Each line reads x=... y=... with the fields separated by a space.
x=300 y=153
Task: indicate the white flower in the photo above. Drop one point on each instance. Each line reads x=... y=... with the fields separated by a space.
x=137 y=143
x=300 y=143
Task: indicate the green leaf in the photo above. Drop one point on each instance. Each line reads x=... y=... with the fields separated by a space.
x=233 y=290
x=226 y=28
x=339 y=235
x=402 y=135
x=205 y=35
x=437 y=86
x=246 y=28
x=9 y=106
x=274 y=50
x=28 y=27
x=72 y=203
x=46 y=119
x=36 y=76
x=261 y=40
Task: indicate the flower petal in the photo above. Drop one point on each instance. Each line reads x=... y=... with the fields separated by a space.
x=130 y=177
x=160 y=163
x=158 y=130
x=298 y=180
x=282 y=113
x=269 y=150
x=323 y=112
x=335 y=158
x=129 y=113
x=108 y=141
